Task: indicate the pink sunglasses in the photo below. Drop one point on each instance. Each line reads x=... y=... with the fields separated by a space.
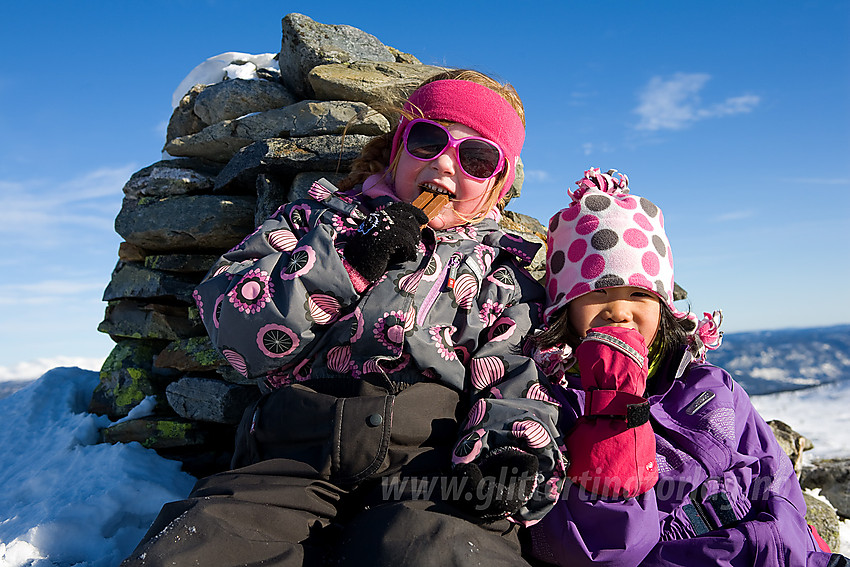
x=479 y=158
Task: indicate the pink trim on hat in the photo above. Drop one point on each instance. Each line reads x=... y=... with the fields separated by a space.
x=606 y=238
x=472 y=105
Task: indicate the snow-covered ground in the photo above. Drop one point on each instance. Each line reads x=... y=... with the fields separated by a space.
x=69 y=501
x=818 y=413
x=66 y=499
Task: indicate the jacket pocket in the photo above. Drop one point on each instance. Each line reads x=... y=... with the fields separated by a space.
x=344 y=439
x=361 y=436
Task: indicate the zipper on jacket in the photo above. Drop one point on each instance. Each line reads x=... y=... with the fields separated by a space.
x=437 y=288
x=454 y=264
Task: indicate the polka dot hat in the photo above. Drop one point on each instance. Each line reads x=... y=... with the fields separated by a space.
x=607 y=238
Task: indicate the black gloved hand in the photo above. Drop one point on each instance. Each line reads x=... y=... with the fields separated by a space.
x=497 y=487
x=386 y=237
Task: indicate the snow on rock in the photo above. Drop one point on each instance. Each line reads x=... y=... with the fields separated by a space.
x=230 y=65
x=66 y=499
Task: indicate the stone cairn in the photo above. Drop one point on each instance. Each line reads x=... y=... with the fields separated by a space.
x=239 y=149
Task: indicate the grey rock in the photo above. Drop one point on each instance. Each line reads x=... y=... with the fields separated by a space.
x=791 y=442
x=196 y=354
x=823 y=517
x=237 y=97
x=307 y=43
x=218 y=142
x=189 y=223
x=183 y=120
x=221 y=141
x=131 y=280
x=169 y=178
x=377 y=84
x=530 y=229
x=402 y=57
x=286 y=157
x=135 y=319
x=131 y=253
x=126 y=378
x=832 y=476
x=159 y=433
x=272 y=192
x=204 y=399
x=315 y=118
x=181 y=263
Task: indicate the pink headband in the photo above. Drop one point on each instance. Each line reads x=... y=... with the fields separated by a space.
x=473 y=105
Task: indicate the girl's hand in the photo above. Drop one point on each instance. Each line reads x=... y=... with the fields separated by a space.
x=498 y=486
x=612 y=447
x=613 y=358
x=386 y=237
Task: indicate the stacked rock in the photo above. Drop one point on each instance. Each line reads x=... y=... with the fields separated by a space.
x=240 y=148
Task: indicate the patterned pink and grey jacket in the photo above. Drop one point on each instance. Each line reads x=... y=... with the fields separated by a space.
x=282 y=309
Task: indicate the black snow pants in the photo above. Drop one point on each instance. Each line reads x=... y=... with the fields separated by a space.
x=320 y=480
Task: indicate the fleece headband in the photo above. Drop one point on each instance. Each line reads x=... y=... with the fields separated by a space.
x=472 y=105
x=607 y=238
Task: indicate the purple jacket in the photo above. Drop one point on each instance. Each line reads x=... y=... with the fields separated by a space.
x=727 y=494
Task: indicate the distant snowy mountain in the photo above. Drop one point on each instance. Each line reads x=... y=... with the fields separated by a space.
x=765 y=362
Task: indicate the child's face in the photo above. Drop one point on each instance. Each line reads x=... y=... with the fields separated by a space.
x=626 y=306
x=467 y=195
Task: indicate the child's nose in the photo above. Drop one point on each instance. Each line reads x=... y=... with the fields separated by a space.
x=446 y=162
x=618 y=312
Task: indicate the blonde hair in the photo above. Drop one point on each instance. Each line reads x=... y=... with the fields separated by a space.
x=375 y=156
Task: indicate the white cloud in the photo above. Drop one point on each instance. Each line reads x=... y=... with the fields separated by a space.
x=32 y=369
x=89 y=200
x=589 y=148
x=49 y=291
x=538 y=175
x=733 y=216
x=674 y=103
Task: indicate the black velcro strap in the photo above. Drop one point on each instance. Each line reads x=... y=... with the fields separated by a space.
x=719 y=502
x=698 y=522
x=711 y=512
x=837 y=560
x=637 y=414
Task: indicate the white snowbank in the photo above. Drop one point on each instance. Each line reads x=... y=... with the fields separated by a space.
x=67 y=500
x=818 y=413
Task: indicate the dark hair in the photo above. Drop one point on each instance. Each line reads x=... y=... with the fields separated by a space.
x=672 y=333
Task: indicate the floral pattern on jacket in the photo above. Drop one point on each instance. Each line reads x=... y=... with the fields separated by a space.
x=282 y=309
x=727 y=494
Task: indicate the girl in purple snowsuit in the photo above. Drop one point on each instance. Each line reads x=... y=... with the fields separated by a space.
x=669 y=463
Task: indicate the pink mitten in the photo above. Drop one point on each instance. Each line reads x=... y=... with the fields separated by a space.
x=612 y=446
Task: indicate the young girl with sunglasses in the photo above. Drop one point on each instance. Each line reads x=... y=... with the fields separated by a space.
x=669 y=463
x=373 y=331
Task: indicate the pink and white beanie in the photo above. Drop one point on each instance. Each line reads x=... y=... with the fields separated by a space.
x=609 y=238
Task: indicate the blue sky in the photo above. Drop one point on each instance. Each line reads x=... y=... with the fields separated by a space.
x=734 y=117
